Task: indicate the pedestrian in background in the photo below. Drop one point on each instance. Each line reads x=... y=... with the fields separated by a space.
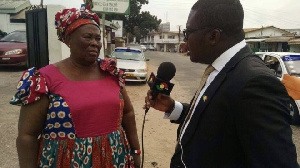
x=239 y=116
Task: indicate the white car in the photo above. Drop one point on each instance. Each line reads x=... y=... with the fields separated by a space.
x=285 y=63
x=143 y=48
x=133 y=62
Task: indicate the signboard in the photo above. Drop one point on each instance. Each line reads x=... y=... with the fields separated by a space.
x=112 y=6
x=119 y=32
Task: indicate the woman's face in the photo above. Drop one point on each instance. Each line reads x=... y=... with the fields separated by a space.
x=85 y=44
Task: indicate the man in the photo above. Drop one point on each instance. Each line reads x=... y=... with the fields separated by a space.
x=240 y=117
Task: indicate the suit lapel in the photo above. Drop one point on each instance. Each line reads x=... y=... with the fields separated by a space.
x=210 y=91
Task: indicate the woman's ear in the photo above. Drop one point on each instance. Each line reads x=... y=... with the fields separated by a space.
x=68 y=41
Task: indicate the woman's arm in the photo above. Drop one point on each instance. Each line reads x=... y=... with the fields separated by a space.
x=31 y=122
x=129 y=125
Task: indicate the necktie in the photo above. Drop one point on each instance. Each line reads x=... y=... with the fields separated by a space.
x=207 y=72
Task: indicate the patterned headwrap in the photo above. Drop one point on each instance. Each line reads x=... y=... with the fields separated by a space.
x=68 y=20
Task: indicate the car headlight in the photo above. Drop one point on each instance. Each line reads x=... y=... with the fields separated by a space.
x=14 y=52
x=140 y=70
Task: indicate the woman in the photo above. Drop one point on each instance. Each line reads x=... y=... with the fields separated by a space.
x=75 y=112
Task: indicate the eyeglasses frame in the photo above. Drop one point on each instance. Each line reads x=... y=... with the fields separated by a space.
x=187 y=32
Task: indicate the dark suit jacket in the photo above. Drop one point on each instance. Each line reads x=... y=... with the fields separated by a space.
x=244 y=123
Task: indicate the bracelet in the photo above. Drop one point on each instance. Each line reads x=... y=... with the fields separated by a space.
x=136 y=152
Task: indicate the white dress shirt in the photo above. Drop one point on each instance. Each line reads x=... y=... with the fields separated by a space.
x=218 y=64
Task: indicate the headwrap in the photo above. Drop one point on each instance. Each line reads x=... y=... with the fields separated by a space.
x=68 y=20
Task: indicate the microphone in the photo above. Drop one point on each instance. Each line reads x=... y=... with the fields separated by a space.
x=161 y=83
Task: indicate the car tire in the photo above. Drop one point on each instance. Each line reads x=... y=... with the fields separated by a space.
x=294 y=112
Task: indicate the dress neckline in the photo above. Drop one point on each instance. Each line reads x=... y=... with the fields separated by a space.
x=62 y=76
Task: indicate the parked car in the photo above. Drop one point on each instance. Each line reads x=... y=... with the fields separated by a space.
x=133 y=62
x=143 y=48
x=136 y=46
x=151 y=48
x=285 y=63
x=13 y=49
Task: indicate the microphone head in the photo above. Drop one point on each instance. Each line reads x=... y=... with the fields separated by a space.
x=166 y=71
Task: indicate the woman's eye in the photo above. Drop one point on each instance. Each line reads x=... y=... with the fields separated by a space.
x=88 y=37
x=98 y=38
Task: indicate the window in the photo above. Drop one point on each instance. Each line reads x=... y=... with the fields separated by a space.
x=171 y=37
x=274 y=64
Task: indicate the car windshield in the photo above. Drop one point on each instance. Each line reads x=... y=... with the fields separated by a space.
x=126 y=54
x=292 y=64
x=17 y=36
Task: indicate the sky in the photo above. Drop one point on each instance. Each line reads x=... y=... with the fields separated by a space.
x=284 y=14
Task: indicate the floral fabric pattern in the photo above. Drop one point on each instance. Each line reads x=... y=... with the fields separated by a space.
x=59 y=145
x=30 y=88
x=66 y=17
x=110 y=65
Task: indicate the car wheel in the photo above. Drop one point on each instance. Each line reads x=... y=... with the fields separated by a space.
x=294 y=112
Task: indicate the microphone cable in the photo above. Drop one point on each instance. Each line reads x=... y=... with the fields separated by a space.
x=143 y=126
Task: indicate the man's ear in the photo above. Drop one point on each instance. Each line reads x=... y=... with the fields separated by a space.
x=214 y=36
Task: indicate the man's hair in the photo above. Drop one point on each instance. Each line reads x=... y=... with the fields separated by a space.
x=227 y=15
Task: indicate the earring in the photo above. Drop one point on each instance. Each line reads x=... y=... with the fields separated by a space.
x=69 y=45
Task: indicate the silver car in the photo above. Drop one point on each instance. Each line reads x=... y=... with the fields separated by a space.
x=285 y=63
x=133 y=62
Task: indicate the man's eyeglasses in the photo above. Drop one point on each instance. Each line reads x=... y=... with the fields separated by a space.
x=187 y=32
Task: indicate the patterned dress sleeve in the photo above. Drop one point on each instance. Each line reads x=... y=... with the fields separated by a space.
x=31 y=87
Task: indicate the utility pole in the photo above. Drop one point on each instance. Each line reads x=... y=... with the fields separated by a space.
x=179 y=31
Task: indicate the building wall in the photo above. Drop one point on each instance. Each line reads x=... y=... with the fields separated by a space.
x=294 y=48
x=4 y=24
x=265 y=32
x=8 y=27
x=57 y=49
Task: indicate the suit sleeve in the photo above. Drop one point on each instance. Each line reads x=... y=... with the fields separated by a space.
x=263 y=124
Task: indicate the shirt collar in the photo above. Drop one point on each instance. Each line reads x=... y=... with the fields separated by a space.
x=221 y=61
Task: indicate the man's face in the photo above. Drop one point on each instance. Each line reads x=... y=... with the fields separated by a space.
x=195 y=37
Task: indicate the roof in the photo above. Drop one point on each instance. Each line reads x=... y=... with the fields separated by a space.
x=254 y=40
x=278 y=39
x=110 y=24
x=250 y=29
x=294 y=41
x=19 y=15
x=13 y=6
x=257 y=29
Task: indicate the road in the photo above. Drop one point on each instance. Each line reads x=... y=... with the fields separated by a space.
x=159 y=134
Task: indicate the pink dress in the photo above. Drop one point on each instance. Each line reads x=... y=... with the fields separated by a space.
x=83 y=124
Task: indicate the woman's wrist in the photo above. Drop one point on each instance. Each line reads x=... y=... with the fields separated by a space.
x=135 y=152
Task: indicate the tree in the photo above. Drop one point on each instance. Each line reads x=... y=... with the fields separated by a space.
x=136 y=23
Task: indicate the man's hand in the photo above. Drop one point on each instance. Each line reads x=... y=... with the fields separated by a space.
x=162 y=102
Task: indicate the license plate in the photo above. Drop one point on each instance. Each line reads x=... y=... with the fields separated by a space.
x=129 y=74
x=5 y=59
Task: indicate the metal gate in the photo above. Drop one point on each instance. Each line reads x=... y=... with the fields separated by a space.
x=37 y=37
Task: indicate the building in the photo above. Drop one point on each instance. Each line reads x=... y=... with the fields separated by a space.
x=164 y=41
x=12 y=15
x=269 y=39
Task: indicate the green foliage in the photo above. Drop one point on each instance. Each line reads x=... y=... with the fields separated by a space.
x=137 y=23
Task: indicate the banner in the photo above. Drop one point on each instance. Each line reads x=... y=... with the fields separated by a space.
x=112 y=6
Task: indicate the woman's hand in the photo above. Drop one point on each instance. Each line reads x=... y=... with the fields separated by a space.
x=137 y=160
